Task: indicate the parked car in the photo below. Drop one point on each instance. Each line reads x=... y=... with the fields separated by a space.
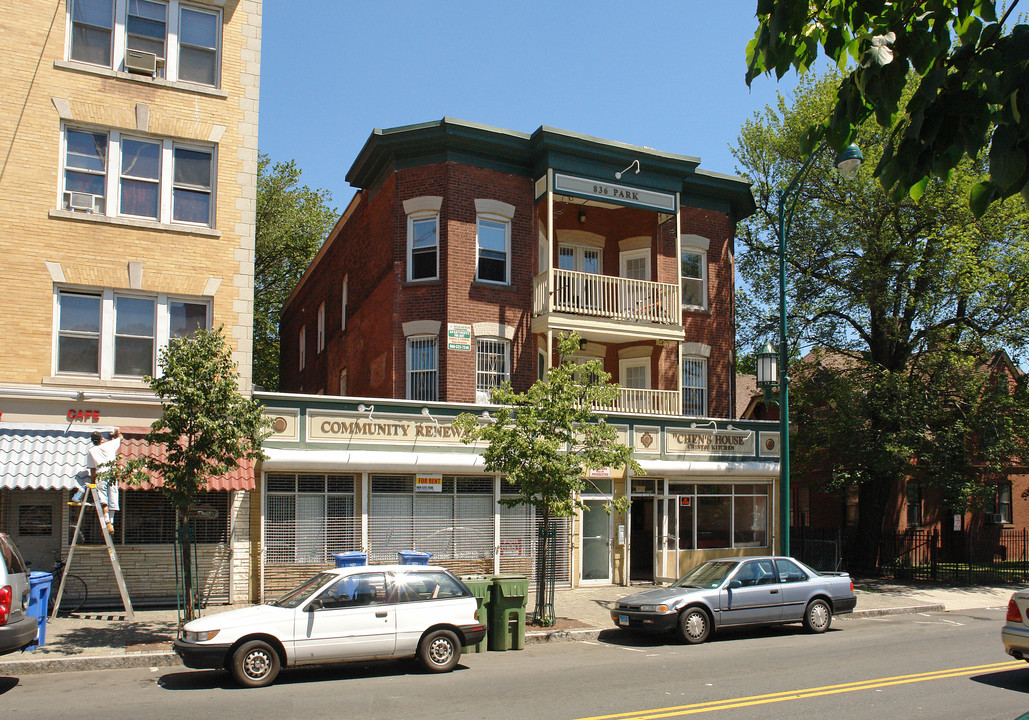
x=17 y=627
x=736 y=592
x=370 y=612
x=1015 y=633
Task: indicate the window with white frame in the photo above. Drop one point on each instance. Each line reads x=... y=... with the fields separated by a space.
x=184 y=40
x=320 y=342
x=1002 y=503
x=108 y=334
x=634 y=373
x=492 y=366
x=309 y=517
x=152 y=178
x=302 y=347
x=694 y=386
x=343 y=303
x=493 y=247
x=422 y=247
x=422 y=368
x=694 y=279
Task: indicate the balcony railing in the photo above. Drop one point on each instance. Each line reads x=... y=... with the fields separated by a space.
x=604 y=296
x=646 y=402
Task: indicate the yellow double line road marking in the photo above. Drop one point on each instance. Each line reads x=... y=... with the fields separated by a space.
x=696 y=708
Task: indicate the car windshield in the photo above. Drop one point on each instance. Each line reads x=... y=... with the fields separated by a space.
x=295 y=597
x=709 y=575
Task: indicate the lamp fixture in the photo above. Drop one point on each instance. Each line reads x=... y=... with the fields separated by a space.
x=848 y=161
x=366 y=408
x=618 y=175
x=582 y=215
x=426 y=413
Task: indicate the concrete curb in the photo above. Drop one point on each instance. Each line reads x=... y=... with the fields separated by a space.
x=87 y=662
x=910 y=610
x=115 y=662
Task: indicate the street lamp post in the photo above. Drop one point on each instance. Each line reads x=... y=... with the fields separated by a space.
x=847 y=163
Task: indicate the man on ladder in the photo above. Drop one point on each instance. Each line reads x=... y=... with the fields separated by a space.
x=97 y=457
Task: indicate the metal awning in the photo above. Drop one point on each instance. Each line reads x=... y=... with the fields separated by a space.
x=49 y=457
x=280 y=459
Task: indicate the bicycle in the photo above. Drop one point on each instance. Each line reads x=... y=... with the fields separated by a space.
x=75 y=591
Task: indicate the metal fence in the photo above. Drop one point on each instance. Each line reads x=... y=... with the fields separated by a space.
x=987 y=556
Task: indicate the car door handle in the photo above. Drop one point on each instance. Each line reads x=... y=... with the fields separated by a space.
x=380 y=614
x=774 y=591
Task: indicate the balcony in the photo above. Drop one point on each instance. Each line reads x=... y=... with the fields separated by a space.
x=646 y=402
x=607 y=297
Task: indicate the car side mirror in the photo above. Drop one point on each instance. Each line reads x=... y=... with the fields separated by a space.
x=733 y=584
x=315 y=604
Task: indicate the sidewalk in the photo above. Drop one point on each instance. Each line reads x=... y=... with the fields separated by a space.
x=106 y=640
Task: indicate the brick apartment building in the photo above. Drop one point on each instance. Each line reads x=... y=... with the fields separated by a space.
x=465 y=253
x=128 y=138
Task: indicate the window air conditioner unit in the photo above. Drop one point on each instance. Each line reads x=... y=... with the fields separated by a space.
x=995 y=518
x=140 y=62
x=87 y=202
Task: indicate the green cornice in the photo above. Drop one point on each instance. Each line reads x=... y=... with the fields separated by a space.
x=451 y=140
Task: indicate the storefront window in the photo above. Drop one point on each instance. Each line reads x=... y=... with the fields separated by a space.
x=309 y=517
x=721 y=516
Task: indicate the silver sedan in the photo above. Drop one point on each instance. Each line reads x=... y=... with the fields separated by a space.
x=735 y=592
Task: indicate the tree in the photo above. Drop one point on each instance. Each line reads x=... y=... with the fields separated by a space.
x=292 y=223
x=971 y=71
x=908 y=301
x=544 y=441
x=206 y=429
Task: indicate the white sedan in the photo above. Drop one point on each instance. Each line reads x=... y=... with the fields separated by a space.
x=370 y=612
x=1015 y=633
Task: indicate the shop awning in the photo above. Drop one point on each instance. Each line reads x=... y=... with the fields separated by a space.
x=49 y=457
x=280 y=459
x=737 y=469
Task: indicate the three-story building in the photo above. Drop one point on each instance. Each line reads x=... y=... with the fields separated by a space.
x=465 y=253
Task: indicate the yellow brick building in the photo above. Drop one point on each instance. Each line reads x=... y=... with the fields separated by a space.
x=128 y=180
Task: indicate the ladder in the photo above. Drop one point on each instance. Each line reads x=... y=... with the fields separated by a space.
x=94 y=495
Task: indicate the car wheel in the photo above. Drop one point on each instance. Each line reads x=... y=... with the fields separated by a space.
x=694 y=625
x=439 y=651
x=255 y=664
x=817 y=616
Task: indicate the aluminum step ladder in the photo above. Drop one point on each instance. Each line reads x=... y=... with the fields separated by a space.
x=94 y=495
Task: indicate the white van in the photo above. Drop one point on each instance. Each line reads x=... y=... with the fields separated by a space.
x=17 y=628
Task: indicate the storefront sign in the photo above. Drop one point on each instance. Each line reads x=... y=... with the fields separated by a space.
x=459 y=337
x=685 y=501
x=340 y=428
x=604 y=472
x=707 y=441
x=428 y=484
x=79 y=415
x=584 y=187
x=511 y=547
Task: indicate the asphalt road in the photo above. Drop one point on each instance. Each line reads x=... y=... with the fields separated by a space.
x=939 y=666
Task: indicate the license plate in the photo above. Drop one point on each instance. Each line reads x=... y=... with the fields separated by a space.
x=623 y=619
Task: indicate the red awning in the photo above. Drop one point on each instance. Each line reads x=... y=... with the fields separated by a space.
x=134 y=445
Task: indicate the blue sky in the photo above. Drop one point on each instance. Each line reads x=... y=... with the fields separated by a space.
x=668 y=75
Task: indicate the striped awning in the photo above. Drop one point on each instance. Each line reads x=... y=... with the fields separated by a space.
x=51 y=457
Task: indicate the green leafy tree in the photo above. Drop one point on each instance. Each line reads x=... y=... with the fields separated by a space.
x=206 y=429
x=292 y=223
x=969 y=65
x=907 y=299
x=544 y=441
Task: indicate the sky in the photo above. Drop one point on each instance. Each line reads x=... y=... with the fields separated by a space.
x=666 y=75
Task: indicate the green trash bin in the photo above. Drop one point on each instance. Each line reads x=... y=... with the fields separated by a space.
x=480 y=587
x=506 y=629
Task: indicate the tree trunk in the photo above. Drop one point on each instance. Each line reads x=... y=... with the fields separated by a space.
x=185 y=557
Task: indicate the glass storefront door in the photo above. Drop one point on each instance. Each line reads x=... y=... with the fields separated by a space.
x=596 y=543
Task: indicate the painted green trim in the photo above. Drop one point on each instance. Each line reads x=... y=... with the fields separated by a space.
x=451 y=140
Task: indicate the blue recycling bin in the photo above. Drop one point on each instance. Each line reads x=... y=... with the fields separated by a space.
x=413 y=557
x=39 y=601
x=354 y=558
